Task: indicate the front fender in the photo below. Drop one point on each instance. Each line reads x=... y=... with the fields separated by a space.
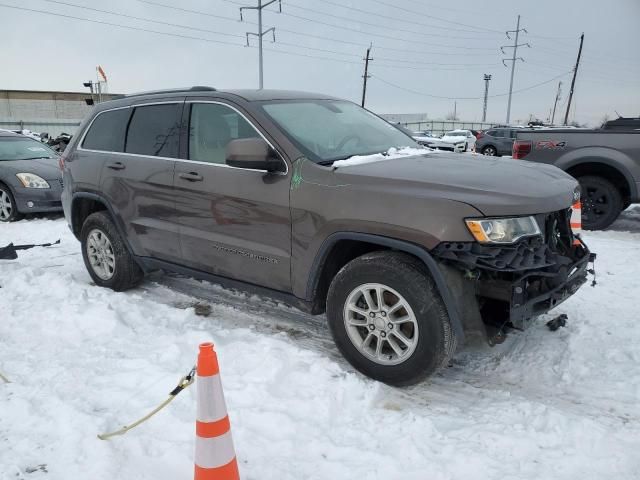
x=400 y=245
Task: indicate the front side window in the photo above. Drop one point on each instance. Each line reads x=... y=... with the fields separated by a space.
x=330 y=130
x=211 y=127
x=154 y=130
x=107 y=131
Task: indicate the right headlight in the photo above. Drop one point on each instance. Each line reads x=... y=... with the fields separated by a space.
x=31 y=180
x=502 y=230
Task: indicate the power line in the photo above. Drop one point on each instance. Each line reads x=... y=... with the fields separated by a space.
x=333 y=39
x=124 y=15
x=387 y=17
x=375 y=34
x=422 y=14
x=530 y=87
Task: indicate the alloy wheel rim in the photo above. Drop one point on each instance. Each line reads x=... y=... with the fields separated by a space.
x=594 y=203
x=100 y=254
x=489 y=151
x=6 y=206
x=380 y=324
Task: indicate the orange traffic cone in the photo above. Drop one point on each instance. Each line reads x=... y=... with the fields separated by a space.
x=215 y=458
x=576 y=220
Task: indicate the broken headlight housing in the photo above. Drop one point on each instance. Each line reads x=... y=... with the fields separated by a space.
x=502 y=230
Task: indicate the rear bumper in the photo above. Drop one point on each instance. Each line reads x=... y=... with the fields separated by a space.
x=38 y=200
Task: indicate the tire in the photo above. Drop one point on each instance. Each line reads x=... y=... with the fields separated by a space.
x=405 y=278
x=490 y=151
x=8 y=208
x=121 y=272
x=601 y=202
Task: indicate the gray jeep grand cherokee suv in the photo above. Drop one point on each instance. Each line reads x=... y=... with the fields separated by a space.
x=304 y=197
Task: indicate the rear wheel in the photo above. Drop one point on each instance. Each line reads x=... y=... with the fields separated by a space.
x=601 y=202
x=8 y=209
x=388 y=319
x=106 y=256
x=489 y=151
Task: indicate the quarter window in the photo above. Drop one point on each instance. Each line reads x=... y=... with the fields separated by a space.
x=154 y=130
x=211 y=127
x=107 y=131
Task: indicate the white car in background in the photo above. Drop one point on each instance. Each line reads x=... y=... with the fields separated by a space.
x=459 y=140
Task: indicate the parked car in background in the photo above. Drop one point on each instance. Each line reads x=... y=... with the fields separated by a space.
x=30 y=180
x=410 y=253
x=496 y=141
x=605 y=162
x=458 y=140
x=622 y=123
x=422 y=133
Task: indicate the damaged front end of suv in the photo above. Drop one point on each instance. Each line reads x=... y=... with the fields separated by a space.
x=517 y=269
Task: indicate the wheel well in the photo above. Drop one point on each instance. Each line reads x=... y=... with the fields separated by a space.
x=81 y=209
x=340 y=253
x=605 y=171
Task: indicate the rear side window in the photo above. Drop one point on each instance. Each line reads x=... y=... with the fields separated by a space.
x=154 y=130
x=107 y=131
x=491 y=133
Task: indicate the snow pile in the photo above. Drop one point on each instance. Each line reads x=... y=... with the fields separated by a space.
x=84 y=360
x=390 y=154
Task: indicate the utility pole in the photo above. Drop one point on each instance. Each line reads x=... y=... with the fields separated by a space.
x=455 y=110
x=513 y=59
x=261 y=33
x=573 y=80
x=366 y=74
x=555 y=103
x=487 y=78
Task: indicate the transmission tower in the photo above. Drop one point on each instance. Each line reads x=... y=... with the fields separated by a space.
x=261 y=33
x=513 y=59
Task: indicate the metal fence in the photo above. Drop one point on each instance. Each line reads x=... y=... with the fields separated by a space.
x=439 y=127
x=53 y=127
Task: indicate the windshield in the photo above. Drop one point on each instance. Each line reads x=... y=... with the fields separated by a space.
x=329 y=130
x=16 y=148
x=455 y=134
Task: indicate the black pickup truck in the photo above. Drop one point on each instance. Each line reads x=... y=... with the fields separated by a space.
x=606 y=162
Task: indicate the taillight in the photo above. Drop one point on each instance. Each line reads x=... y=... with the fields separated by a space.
x=61 y=160
x=521 y=148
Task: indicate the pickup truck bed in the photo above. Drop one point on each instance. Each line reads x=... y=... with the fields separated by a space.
x=605 y=162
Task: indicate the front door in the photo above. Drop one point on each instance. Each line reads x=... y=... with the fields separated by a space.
x=234 y=222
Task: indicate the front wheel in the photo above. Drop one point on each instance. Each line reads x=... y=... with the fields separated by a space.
x=106 y=256
x=601 y=202
x=388 y=319
x=489 y=151
x=8 y=210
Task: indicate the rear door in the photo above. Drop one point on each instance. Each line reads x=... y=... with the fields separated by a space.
x=138 y=180
x=234 y=222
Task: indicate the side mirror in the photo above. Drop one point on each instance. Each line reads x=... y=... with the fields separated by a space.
x=253 y=153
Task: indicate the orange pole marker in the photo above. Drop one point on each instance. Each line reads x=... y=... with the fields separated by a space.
x=215 y=457
x=576 y=220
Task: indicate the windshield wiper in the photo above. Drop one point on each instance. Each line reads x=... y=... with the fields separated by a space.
x=328 y=163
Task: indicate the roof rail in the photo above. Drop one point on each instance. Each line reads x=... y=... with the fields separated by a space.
x=196 y=88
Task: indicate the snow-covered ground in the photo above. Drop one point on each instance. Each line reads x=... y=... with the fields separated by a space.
x=84 y=360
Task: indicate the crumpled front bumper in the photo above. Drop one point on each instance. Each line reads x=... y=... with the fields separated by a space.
x=513 y=284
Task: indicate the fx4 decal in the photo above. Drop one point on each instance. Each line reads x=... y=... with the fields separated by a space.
x=550 y=145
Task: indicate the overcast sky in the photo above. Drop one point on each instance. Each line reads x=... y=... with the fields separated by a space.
x=420 y=48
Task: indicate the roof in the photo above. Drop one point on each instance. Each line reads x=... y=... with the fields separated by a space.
x=260 y=95
x=8 y=133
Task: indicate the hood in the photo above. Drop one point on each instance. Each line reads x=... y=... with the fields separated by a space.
x=453 y=139
x=46 y=168
x=494 y=186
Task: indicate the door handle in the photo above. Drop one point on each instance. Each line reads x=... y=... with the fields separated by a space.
x=117 y=166
x=191 y=177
